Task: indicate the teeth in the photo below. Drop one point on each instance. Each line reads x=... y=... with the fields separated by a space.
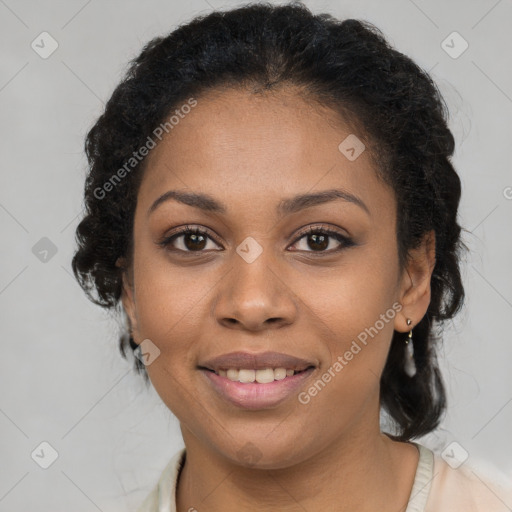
x=232 y=374
x=264 y=376
x=261 y=376
x=279 y=373
x=246 y=375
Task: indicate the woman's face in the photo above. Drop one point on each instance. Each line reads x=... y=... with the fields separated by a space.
x=262 y=276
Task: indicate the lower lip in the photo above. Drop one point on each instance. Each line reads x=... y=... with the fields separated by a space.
x=253 y=395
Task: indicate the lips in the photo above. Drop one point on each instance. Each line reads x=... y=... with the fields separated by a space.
x=256 y=361
x=256 y=396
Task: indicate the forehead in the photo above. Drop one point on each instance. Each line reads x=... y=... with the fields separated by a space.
x=235 y=144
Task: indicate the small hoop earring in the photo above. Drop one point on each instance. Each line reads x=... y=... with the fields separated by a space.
x=410 y=365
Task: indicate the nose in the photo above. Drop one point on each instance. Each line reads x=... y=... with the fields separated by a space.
x=255 y=296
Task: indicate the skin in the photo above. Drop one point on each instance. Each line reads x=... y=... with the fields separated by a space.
x=249 y=152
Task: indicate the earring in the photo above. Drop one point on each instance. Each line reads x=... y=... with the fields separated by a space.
x=410 y=365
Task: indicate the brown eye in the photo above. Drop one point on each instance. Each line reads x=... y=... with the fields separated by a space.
x=189 y=240
x=319 y=239
x=194 y=241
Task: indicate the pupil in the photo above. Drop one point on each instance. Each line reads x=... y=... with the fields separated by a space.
x=196 y=238
x=323 y=239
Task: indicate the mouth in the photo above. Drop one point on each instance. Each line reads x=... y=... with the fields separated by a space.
x=240 y=388
x=242 y=365
x=259 y=376
x=251 y=380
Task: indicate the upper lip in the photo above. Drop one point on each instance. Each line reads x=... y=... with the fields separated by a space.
x=256 y=361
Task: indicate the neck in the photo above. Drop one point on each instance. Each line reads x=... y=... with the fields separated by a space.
x=361 y=470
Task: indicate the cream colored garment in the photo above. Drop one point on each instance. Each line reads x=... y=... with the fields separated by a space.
x=437 y=488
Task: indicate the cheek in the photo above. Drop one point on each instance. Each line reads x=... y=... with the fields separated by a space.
x=355 y=311
x=351 y=296
x=354 y=306
x=168 y=296
x=171 y=309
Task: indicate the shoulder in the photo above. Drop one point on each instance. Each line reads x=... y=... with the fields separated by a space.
x=467 y=487
x=163 y=495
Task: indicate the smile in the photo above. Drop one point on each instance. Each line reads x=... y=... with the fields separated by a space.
x=243 y=389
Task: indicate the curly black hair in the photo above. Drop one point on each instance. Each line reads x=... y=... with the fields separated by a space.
x=346 y=65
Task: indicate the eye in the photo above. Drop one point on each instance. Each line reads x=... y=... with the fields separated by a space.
x=196 y=240
x=193 y=240
x=319 y=239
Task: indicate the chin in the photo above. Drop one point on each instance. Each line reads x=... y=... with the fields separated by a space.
x=260 y=453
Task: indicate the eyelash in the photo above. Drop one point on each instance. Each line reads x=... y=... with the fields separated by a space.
x=188 y=230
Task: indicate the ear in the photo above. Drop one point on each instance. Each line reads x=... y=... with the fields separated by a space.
x=128 y=297
x=414 y=294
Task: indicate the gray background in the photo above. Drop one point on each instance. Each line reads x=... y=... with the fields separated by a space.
x=62 y=378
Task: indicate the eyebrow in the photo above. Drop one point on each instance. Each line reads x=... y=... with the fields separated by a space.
x=285 y=207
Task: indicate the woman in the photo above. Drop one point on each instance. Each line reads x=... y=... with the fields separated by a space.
x=271 y=200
